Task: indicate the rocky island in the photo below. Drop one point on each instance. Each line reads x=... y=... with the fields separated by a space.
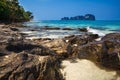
x=86 y=17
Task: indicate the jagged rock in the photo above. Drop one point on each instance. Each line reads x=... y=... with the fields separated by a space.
x=84 y=46
x=89 y=17
x=27 y=46
x=81 y=39
x=105 y=52
x=83 y=29
x=112 y=36
x=110 y=56
x=25 y=66
x=59 y=46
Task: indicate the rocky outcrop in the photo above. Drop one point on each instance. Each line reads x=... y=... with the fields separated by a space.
x=86 y=17
x=110 y=56
x=82 y=29
x=65 y=47
x=105 y=52
x=40 y=59
x=21 y=59
x=25 y=66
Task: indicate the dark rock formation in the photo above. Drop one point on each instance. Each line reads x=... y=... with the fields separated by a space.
x=105 y=52
x=77 y=18
x=50 y=28
x=65 y=18
x=25 y=66
x=14 y=29
x=111 y=50
x=67 y=29
x=86 y=17
x=21 y=59
x=89 y=17
x=83 y=29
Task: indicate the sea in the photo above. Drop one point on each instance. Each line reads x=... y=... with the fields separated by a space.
x=100 y=27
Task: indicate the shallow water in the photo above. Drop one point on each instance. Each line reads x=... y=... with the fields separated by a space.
x=95 y=27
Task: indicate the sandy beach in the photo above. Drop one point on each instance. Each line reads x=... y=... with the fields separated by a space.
x=86 y=70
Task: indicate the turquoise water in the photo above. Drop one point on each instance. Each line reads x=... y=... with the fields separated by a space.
x=100 y=27
x=100 y=24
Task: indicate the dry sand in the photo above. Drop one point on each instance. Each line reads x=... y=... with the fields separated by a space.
x=86 y=70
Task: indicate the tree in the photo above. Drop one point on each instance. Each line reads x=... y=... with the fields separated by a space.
x=11 y=11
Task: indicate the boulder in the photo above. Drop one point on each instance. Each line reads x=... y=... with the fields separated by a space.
x=81 y=39
x=58 y=46
x=105 y=52
x=25 y=66
x=110 y=56
x=14 y=29
x=82 y=29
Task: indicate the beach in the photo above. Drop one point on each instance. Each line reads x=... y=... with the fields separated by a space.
x=69 y=57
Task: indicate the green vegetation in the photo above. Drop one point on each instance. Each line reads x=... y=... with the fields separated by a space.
x=11 y=11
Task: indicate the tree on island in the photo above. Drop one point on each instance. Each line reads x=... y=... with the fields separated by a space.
x=11 y=11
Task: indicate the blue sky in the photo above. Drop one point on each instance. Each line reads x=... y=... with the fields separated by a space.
x=56 y=9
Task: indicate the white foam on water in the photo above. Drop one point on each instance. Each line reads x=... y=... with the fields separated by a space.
x=95 y=31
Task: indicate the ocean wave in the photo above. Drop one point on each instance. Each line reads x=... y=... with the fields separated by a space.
x=95 y=31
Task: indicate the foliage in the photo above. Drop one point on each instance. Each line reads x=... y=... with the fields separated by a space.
x=11 y=11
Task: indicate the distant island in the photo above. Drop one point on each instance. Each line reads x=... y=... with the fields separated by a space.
x=86 y=17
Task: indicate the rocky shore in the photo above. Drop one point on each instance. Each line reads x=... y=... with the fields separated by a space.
x=43 y=58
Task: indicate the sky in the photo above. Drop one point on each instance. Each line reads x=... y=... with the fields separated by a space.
x=56 y=9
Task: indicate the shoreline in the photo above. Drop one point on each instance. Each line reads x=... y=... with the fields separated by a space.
x=16 y=49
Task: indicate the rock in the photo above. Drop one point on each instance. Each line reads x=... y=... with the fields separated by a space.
x=14 y=29
x=110 y=56
x=65 y=18
x=112 y=36
x=89 y=51
x=25 y=66
x=89 y=17
x=59 y=46
x=77 y=18
x=86 y=17
x=105 y=52
x=81 y=39
x=50 y=28
x=83 y=29
x=67 y=29
x=27 y=46
x=40 y=59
